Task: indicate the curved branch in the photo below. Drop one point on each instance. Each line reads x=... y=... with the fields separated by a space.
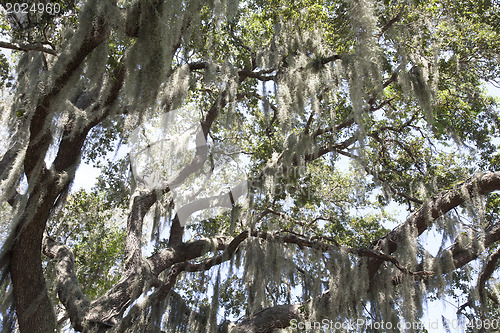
x=40 y=137
x=280 y=316
x=260 y=75
x=140 y=205
x=432 y=209
x=167 y=257
x=68 y=288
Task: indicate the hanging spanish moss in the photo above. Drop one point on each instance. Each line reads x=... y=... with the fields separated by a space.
x=265 y=141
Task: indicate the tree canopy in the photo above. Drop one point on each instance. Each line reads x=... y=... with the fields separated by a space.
x=252 y=154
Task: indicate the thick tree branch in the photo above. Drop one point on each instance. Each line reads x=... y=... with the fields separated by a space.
x=169 y=256
x=68 y=288
x=222 y=200
x=161 y=293
x=260 y=75
x=141 y=202
x=385 y=257
x=40 y=136
x=276 y=317
x=480 y=184
x=216 y=260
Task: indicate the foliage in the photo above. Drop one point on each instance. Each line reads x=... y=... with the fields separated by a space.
x=95 y=234
x=341 y=110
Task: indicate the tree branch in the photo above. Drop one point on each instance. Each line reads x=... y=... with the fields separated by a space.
x=161 y=293
x=486 y=273
x=40 y=136
x=280 y=316
x=260 y=75
x=26 y=47
x=391 y=22
x=45 y=186
x=141 y=203
x=462 y=256
x=169 y=256
x=269 y=319
x=385 y=257
x=480 y=184
x=68 y=287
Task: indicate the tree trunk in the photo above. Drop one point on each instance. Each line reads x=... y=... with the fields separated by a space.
x=35 y=311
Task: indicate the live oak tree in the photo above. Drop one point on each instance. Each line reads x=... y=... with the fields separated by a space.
x=341 y=109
